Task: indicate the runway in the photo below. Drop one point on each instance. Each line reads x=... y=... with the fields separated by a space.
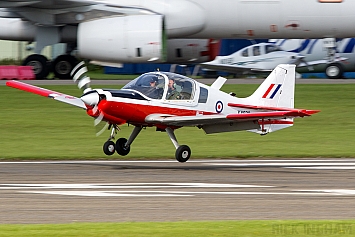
x=165 y=190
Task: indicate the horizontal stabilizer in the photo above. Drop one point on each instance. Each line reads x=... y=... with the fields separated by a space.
x=265 y=115
x=304 y=111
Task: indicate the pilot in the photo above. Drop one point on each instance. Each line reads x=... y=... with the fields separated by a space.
x=172 y=94
x=171 y=85
x=156 y=90
x=153 y=82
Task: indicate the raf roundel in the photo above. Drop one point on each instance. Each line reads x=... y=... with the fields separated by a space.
x=219 y=106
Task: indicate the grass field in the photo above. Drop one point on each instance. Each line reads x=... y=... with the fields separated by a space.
x=187 y=229
x=34 y=127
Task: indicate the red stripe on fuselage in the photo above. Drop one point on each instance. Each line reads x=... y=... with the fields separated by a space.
x=136 y=113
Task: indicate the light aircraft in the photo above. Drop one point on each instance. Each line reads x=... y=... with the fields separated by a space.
x=170 y=101
x=330 y=56
x=132 y=31
x=257 y=58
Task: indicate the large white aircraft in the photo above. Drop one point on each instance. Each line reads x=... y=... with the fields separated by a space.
x=119 y=31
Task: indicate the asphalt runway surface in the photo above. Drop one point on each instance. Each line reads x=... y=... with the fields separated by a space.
x=165 y=190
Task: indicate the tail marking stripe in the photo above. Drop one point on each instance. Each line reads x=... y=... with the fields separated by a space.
x=268 y=90
x=276 y=90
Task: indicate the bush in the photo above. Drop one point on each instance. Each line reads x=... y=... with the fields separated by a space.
x=10 y=61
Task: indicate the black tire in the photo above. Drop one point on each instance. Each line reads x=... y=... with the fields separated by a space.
x=121 y=148
x=183 y=153
x=334 y=71
x=63 y=65
x=39 y=64
x=109 y=148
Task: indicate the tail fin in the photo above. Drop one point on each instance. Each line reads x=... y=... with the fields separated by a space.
x=278 y=89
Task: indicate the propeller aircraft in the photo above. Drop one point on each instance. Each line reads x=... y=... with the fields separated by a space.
x=262 y=57
x=170 y=101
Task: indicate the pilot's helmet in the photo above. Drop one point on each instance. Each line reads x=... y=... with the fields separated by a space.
x=154 y=79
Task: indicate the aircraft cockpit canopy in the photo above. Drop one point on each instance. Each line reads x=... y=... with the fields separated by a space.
x=257 y=50
x=163 y=85
x=272 y=48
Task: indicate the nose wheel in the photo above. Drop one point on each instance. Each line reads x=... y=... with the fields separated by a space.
x=109 y=148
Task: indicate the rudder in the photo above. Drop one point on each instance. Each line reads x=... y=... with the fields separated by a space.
x=278 y=88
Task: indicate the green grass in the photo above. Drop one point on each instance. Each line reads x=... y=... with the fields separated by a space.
x=34 y=127
x=185 y=229
x=98 y=75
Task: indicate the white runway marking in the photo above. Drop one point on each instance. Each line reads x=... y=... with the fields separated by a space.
x=340 y=164
x=185 y=194
x=317 y=164
x=285 y=164
x=260 y=162
x=163 y=190
x=324 y=167
x=127 y=186
x=332 y=191
x=108 y=194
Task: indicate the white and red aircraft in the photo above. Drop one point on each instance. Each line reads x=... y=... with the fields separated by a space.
x=169 y=101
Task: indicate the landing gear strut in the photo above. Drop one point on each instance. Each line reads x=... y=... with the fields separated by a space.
x=109 y=147
x=183 y=152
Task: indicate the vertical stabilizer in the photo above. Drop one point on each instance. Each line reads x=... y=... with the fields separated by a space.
x=278 y=89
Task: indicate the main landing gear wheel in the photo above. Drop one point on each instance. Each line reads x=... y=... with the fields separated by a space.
x=63 y=65
x=334 y=71
x=39 y=65
x=183 y=153
x=121 y=147
x=109 y=148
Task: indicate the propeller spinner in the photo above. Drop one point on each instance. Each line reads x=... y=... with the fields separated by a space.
x=90 y=97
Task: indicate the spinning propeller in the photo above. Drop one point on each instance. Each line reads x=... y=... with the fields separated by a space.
x=90 y=97
x=301 y=60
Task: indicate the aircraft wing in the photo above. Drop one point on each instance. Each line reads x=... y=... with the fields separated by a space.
x=53 y=4
x=232 y=68
x=201 y=120
x=173 y=120
x=72 y=100
x=224 y=67
x=321 y=61
x=61 y=12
